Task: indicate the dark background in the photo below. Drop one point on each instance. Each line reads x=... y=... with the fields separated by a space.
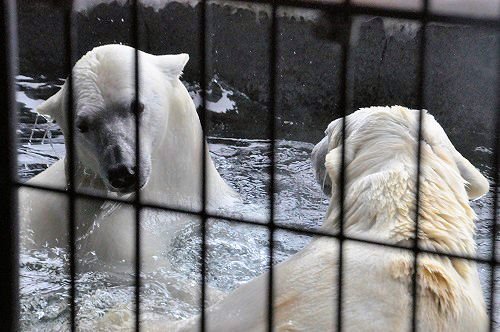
x=461 y=63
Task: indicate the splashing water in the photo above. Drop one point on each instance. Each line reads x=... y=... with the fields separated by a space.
x=236 y=253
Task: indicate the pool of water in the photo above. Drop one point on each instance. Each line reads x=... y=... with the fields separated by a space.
x=236 y=252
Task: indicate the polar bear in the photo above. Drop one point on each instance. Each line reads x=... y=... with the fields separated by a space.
x=380 y=147
x=170 y=156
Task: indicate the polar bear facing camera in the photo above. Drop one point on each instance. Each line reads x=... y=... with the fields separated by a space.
x=170 y=155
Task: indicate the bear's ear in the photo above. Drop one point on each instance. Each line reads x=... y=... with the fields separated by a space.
x=318 y=156
x=333 y=162
x=476 y=184
x=172 y=65
x=332 y=141
x=52 y=106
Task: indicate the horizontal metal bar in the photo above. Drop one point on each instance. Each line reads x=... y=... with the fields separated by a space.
x=257 y=223
x=341 y=9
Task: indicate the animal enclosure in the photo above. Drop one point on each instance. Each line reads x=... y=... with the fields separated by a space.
x=267 y=77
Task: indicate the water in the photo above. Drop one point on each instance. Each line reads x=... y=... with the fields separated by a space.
x=236 y=252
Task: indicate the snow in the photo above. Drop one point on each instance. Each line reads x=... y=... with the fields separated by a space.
x=21 y=97
x=476 y=8
x=223 y=105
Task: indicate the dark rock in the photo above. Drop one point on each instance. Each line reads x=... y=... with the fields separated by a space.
x=460 y=74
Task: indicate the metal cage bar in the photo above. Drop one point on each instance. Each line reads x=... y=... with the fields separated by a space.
x=70 y=49
x=9 y=233
x=294 y=229
x=137 y=190
x=203 y=167
x=494 y=227
x=345 y=10
x=420 y=103
x=344 y=107
x=339 y=9
x=273 y=86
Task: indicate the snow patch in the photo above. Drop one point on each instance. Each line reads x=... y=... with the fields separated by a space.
x=475 y=8
x=483 y=149
x=21 y=97
x=157 y=5
x=223 y=105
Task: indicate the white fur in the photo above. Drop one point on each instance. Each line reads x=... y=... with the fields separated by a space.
x=380 y=194
x=171 y=140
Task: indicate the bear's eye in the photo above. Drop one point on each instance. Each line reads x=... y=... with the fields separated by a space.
x=136 y=106
x=82 y=126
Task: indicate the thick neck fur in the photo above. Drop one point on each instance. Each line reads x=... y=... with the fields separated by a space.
x=178 y=162
x=380 y=199
x=380 y=204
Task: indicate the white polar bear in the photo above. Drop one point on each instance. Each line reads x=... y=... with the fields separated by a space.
x=170 y=156
x=380 y=158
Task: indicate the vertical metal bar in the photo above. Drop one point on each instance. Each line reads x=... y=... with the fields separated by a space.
x=420 y=104
x=273 y=84
x=203 y=120
x=9 y=269
x=343 y=103
x=137 y=199
x=70 y=37
x=496 y=177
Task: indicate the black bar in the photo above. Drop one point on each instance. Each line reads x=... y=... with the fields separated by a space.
x=294 y=229
x=273 y=83
x=137 y=199
x=203 y=194
x=9 y=233
x=70 y=37
x=343 y=104
x=416 y=249
x=494 y=226
x=420 y=105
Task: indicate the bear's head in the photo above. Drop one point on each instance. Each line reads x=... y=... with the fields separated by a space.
x=105 y=109
x=377 y=129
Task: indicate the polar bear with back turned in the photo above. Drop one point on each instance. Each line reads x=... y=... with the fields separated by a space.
x=380 y=155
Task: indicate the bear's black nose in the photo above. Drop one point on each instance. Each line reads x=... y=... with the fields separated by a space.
x=121 y=176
